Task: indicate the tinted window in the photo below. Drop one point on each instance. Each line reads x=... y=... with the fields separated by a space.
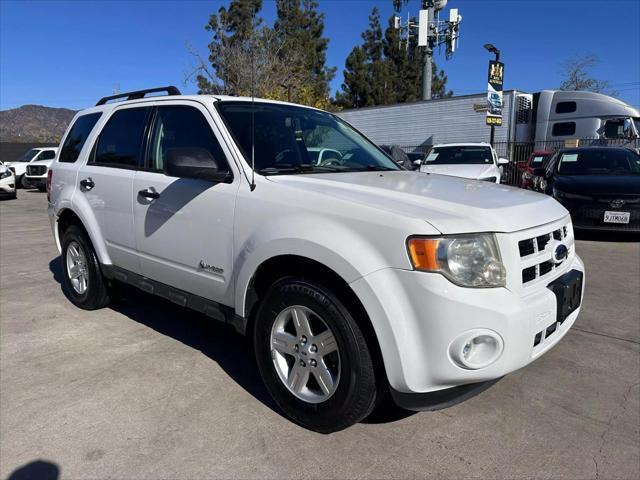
x=121 y=139
x=459 y=155
x=598 y=162
x=77 y=136
x=47 y=155
x=283 y=137
x=565 y=107
x=182 y=128
x=563 y=129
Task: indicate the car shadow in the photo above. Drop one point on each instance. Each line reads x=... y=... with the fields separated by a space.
x=218 y=341
x=607 y=236
x=38 y=469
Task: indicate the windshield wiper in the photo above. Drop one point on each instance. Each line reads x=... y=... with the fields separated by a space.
x=301 y=168
x=379 y=168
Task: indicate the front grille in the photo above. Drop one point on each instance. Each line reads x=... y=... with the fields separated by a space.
x=538 y=247
x=36 y=170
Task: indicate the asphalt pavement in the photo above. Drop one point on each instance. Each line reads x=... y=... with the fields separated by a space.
x=144 y=389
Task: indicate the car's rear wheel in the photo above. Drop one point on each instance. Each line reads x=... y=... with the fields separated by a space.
x=82 y=278
x=313 y=357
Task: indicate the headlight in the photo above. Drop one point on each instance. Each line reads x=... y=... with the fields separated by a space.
x=6 y=173
x=572 y=196
x=488 y=179
x=466 y=260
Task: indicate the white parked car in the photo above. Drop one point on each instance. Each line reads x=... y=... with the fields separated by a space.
x=36 y=174
x=478 y=161
x=353 y=280
x=7 y=182
x=19 y=166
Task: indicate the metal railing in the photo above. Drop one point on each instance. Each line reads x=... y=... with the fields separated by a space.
x=519 y=152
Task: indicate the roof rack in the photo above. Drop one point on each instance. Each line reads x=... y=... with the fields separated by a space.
x=171 y=90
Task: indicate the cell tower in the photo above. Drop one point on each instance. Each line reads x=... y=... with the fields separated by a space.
x=432 y=32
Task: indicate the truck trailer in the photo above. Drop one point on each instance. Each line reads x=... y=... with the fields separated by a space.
x=535 y=119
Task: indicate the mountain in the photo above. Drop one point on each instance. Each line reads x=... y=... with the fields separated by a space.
x=34 y=123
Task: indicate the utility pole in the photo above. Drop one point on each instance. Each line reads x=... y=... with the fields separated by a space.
x=492 y=49
x=427 y=68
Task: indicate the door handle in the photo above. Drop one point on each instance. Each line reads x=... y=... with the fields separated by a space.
x=87 y=184
x=148 y=193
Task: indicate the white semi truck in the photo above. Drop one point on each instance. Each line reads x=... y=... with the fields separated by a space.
x=535 y=118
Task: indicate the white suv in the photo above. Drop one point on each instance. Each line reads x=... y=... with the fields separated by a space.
x=478 y=161
x=353 y=277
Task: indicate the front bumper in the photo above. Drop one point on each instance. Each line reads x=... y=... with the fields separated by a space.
x=417 y=316
x=36 y=182
x=8 y=186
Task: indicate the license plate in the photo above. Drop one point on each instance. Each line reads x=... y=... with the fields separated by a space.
x=616 y=217
x=568 y=291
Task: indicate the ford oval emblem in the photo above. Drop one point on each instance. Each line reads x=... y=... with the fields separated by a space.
x=617 y=203
x=560 y=253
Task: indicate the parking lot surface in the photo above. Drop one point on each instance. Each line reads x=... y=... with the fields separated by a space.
x=145 y=389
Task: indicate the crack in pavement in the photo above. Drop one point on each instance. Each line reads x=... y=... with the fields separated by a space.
x=599 y=334
x=625 y=398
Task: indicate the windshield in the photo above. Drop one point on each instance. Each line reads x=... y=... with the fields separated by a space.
x=599 y=162
x=28 y=155
x=289 y=139
x=460 y=155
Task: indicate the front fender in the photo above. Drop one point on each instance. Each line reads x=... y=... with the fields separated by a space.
x=346 y=250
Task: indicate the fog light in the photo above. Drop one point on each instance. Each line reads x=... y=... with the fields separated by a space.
x=476 y=349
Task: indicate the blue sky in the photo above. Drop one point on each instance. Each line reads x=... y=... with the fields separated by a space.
x=70 y=53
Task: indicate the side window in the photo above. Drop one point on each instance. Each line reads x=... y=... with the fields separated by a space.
x=563 y=129
x=77 y=136
x=120 y=141
x=565 y=107
x=183 y=130
x=47 y=155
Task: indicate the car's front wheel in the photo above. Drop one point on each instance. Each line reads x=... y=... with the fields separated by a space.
x=82 y=278
x=313 y=357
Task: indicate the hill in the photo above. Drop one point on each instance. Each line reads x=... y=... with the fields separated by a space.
x=34 y=123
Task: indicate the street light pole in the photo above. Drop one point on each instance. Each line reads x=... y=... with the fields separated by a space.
x=491 y=48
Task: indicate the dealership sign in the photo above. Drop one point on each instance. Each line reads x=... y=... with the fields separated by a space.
x=494 y=93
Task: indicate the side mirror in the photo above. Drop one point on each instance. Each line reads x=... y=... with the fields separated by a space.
x=194 y=163
x=503 y=161
x=417 y=163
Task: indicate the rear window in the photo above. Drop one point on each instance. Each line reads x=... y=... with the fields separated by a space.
x=121 y=139
x=77 y=137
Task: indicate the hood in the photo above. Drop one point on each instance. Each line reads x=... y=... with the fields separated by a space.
x=598 y=184
x=449 y=204
x=466 y=171
x=47 y=163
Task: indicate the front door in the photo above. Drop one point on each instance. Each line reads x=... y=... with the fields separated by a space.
x=184 y=226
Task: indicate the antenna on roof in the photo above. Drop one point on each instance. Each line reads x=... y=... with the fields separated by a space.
x=252 y=185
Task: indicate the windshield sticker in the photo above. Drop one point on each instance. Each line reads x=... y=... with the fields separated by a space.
x=538 y=159
x=432 y=156
x=573 y=157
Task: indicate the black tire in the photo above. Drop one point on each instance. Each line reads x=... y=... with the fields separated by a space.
x=42 y=188
x=355 y=394
x=19 y=180
x=24 y=183
x=96 y=294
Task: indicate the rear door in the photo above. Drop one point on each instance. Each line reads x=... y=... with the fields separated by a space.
x=72 y=154
x=107 y=181
x=185 y=234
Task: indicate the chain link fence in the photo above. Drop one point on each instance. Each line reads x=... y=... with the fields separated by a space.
x=519 y=152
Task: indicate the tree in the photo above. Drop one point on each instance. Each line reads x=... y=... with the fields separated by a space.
x=283 y=62
x=301 y=28
x=577 y=75
x=386 y=69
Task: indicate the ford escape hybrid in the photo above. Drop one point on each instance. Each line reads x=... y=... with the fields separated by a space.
x=353 y=277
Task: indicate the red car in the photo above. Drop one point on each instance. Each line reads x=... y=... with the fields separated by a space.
x=537 y=159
